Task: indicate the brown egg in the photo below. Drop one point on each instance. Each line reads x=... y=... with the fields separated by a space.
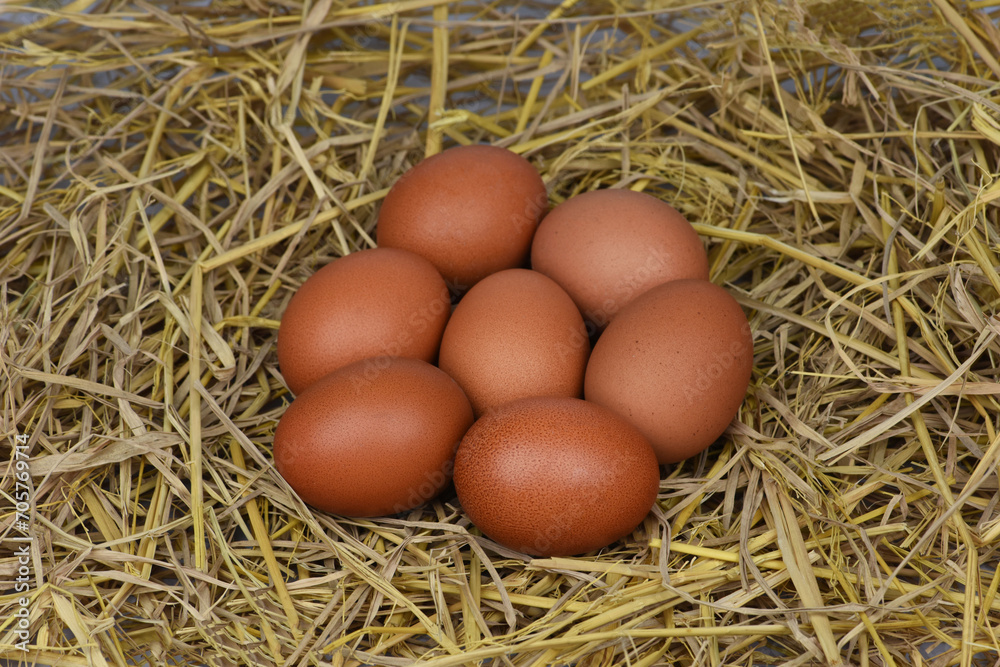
x=373 y=438
x=555 y=476
x=606 y=247
x=470 y=210
x=515 y=334
x=382 y=301
x=675 y=362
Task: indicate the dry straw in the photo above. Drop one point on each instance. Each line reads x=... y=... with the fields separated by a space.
x=170 y=172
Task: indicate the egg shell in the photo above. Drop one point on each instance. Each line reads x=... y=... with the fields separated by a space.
x=380 y=301
x=555 y=476
x=373 y=438
x=676 y=362
x=606 y=247
x=470 y=210
x=515 y=334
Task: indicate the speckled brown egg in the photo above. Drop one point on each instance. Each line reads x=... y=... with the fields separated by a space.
x=373 y=438
x=381 y=301
x=515 y=334
x=675 y=362
x=470 y=210
x=606 y=247
x=555 y=476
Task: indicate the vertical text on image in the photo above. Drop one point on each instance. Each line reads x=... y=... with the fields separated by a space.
x=22 y=528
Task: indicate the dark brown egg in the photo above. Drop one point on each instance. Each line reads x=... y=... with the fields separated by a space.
x=675 y=362
x=555 y=476
x=515 y=334
x=606 y=247
x=382 y=301
x=373 y=438
x=470 y=210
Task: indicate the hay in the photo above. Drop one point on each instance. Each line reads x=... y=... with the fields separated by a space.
x=170 y=173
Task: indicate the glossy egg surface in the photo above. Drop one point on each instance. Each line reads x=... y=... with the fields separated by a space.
x=373 y=438
x=381 y=301
x=676 y=363
x=606 y=247
x=555 y=476
x=515 y=334
x=470 y=210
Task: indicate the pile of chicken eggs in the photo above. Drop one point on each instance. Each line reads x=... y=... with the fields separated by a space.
x=549 y=395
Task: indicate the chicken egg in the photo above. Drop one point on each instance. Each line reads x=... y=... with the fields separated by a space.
x=676 y=362
x=381 y=301
x=373 y=438
x=606 y=247
x=470 y=210
x=552 y=476
x=515 y=334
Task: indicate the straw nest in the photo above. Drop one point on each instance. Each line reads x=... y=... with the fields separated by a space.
x=171 y=172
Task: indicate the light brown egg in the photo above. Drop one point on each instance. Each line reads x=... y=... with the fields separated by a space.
x=606 y=247
x=382 y=301
x=373 y=438
x=515 y=334
x=676 y=362
x=555 y=476
x=470 y=210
